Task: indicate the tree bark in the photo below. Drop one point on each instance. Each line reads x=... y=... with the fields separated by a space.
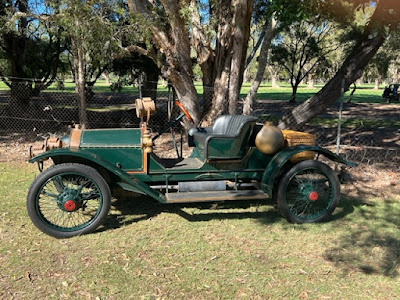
x=80 y=82
x=220 y=55
x=274 y=77
x=216 y=76
x=310 y=81
x=173 y=42
x=242 y=17
x=352 y=69
x=262 y=62
x=376 y=85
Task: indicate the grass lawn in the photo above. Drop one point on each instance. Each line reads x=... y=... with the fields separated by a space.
x=364 y=93
x=236 y=251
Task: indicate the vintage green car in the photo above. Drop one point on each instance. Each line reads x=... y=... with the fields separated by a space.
x=235 y=159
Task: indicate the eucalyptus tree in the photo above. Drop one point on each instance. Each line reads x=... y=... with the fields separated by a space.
x=385 y=19
x=392 y=50
x=90 y=26
x=302 y=46
x=217 y=31
x=378 y=67
x=30 y=47
x=282 y=16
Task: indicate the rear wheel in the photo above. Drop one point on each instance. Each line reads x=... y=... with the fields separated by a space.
x=68 y=200
x=309 y=192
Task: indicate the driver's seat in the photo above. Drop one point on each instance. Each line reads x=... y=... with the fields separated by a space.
x=228 y=138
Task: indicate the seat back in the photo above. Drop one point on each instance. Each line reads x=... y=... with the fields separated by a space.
x=230 y=137
x=231 y=125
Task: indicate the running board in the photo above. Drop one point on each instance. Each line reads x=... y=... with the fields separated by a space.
x=187 y=197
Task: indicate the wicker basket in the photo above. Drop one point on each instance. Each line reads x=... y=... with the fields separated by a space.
x=296 y=138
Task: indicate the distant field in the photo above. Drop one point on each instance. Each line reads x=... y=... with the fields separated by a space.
x=364 y=93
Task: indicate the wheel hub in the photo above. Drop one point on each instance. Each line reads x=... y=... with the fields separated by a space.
x=70 y=205
x=69 y=200
x=313 y=196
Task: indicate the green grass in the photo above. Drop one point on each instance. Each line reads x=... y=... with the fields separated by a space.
x=364 y=93
x=237 y=251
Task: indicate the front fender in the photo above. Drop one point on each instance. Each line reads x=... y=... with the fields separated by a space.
x=282 y=157
x=134 y=184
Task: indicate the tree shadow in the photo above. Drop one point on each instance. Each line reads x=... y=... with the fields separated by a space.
x=371 y=243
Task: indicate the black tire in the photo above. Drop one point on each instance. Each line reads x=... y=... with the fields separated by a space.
x=67 y=200
x=308 y=193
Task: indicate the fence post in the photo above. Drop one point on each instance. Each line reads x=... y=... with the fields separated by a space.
x=170 y=105
x=140 y=86
x=340 y=118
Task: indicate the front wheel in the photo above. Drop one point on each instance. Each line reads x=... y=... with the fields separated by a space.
x=309 y=192
x=68 y=200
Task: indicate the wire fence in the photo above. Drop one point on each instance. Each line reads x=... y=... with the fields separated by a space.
x=370 y=133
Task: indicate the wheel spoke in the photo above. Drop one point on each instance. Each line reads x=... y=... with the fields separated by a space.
x=299 y=189
x=308 y=192
x=50 y=201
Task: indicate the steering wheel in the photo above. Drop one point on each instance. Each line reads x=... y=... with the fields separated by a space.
x=184 y=111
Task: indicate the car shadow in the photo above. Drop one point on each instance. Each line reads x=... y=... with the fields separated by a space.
x=128 y=208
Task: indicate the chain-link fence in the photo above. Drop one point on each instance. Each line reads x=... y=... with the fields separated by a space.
x=370 y=133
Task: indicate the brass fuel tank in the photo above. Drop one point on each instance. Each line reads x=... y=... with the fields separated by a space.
x=269 y=139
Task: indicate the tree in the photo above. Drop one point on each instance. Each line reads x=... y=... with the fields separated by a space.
x=31 y=44
x=378 y=67
x=285 y=13
x=301 y=47
x=219 y=41
x=91 y=29
x=385 y=18
x=262 y=62
x=131 y=66
x=391 y=51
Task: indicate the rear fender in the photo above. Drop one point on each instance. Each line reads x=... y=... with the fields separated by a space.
x=129 y=182
x=282 y=157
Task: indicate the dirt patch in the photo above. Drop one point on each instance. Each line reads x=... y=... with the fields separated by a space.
x=14 y=148
x=350 y=110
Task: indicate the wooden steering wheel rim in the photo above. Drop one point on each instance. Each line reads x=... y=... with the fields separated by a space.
x=184 y=111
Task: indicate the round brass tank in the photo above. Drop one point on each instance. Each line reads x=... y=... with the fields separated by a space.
x=269 y=139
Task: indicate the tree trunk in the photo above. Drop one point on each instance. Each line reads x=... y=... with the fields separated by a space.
x=173 y=42
x=240 y=41
x=376 y=86
x=220 y=93
x=365 y=48
x=310 y=81
x=220 y=58
x=351 y=69
x=106 y=76
x=150 y=83
x=396 y=75
x=274 y=78
x=294 y=92
x=262 y=62
x=80 y=83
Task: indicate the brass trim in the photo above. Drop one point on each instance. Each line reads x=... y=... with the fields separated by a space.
x=75 y=138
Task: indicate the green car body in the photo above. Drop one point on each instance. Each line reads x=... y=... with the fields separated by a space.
x=119 y=152
x=122 y=158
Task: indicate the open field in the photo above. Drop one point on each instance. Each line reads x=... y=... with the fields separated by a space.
x=241 y=250
x=364 y=93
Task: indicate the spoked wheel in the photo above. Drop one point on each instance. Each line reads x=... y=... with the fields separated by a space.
x=308 y=193
x=68 y=200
